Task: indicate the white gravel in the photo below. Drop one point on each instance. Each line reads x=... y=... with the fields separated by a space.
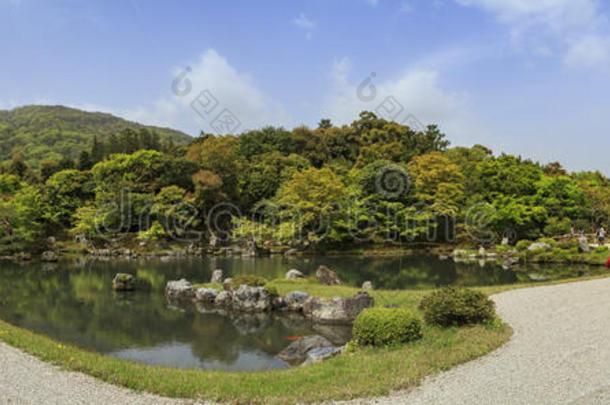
x=559 y=353
x=26 y=380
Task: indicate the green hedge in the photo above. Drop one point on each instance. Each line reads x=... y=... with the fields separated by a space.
x=386 y=326
x=452 y=306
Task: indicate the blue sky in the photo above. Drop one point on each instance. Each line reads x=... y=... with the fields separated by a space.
x=530 y=77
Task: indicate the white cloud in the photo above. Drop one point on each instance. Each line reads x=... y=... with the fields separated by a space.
x=558 y=14
x=414 y=96
x=305 y=23
x=590 y=51
x=577 y=27
x=212 y=79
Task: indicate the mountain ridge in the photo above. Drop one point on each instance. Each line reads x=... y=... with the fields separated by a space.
x=38 y=132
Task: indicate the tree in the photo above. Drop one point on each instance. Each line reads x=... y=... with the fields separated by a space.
x=64 y=193
x=48 y=167
x=309 y=197
x=84 y=161
x=437 y=182
x=97 y=150
x=219 y=155
x=18 y=167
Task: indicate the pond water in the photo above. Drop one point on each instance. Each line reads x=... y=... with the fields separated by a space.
x=72 y=301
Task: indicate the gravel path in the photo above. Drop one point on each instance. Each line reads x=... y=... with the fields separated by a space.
x=559 y=353
x=26 y=380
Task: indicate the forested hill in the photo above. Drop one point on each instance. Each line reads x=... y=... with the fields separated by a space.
x=52 y=132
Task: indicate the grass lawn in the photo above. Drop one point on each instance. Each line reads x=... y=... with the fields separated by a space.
x=367 y=372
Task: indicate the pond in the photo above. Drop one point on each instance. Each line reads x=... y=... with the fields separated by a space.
x=72 y=301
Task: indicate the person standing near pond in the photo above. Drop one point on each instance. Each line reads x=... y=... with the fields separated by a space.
x=601 y=235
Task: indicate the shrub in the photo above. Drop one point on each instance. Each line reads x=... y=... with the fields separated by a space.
x=601 y=249
x=550 y=241
x=523 y=244
x=452 y=306
x=251 y=280
x=569 y=244
x=386 y=326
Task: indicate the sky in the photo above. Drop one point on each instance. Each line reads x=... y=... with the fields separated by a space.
x=528 y=77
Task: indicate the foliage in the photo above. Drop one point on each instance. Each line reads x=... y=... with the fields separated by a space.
x=251 y=280
x=453 y=306
x=154 y=233
x=373 y=181
x=53 y=132
x=386 y=326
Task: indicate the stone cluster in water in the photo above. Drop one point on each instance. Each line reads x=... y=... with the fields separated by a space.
x=244 y=298
x=253 y=304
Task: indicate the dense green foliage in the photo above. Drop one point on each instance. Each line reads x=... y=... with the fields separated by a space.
x=373 y=181
x=386 y=326
x=453 y=306
x=53 y=132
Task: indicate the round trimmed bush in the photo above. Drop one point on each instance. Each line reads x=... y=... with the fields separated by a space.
x=452 y=306
x=386 y=326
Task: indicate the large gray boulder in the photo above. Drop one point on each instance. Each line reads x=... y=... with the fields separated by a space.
x=216 y=277
x=327 y=276
x=337 y=310
x=179 y=290
x=48 y=256
x=537 y=246
x=251 y=299
x=320 y=354
x=297 y=351
x=293 y=301
x=123 y=282
x=583 y=245
x=223 y=299
x=206 y=294
x=294 y=274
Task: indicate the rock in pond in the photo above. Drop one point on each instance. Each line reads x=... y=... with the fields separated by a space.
x=251 y=299
x=293 y=301
x=291 y=252
x=206 y=294
x=327 y=276
x=367 y=285
x=537 y=277
x=216 y=277
x=538 y=246
x=123 y=282
x=322 y=353
x=297 y=351
x=294 y=274
x=583 y=245
x=179 y=290
x=509 y=262
x=48 y=256
x=223 y=299
x=337 y=310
